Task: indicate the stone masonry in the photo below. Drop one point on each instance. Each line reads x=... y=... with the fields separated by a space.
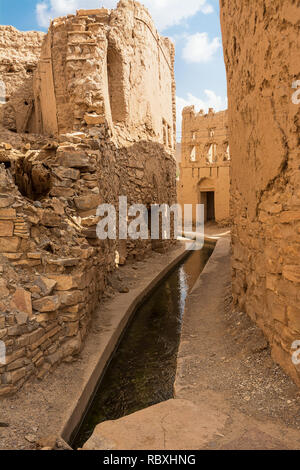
x=102 y=109
x=262 y=56
x=19 y=55
x=111 y=66
x=205 y=163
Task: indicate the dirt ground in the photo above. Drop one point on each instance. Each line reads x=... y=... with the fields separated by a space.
x=229 y=394
x=227 y=365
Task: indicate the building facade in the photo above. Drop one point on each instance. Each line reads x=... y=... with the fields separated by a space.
x=205 y=163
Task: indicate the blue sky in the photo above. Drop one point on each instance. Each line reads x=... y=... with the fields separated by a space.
x=194 y=26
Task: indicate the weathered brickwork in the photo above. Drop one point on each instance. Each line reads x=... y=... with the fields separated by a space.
x=53 y=268
x=205 y=163
x=109 y=66
x=261 y=49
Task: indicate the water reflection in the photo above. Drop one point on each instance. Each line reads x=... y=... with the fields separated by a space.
x=142 y=370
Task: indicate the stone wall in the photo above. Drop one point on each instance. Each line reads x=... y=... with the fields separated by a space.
x=53 y=268
x=205 y=162
x=19 y=55
x=261 y=50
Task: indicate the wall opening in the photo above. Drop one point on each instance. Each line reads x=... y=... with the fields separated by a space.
x=116 y=92
x=2 y=92
x=193 y=154
x=212 y=153
x=208 y=200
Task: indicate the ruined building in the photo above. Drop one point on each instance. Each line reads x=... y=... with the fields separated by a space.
x=205 y=163
x=88 y=115
x=262 y=55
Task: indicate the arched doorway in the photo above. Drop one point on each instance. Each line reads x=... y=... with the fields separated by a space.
x=207 y=198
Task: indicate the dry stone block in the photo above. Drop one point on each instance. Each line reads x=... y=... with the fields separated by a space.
x=69 y=173
x=8 y=214
x=86 y=203
x=5 y=201
x=94 y=119
x=98 y=11
x=66 y=282
x=71 y=298
x=21 y=301
x=46 y=285
x=74 y=160
x=6 y=228
x=9 y=244
x=47 y=304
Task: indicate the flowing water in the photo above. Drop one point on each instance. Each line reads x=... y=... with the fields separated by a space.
x=143 y=367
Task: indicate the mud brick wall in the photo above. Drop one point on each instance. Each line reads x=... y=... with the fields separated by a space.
x=262 y=56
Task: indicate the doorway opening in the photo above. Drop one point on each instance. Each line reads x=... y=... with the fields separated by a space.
x=208 y=199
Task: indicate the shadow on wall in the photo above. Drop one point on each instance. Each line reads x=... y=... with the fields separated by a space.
x=19 y=110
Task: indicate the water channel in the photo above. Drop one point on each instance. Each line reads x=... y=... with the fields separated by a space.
x=142 y=370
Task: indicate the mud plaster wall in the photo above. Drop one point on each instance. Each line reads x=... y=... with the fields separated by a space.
x=261 y=49
x=107 y=66
x=200 y=173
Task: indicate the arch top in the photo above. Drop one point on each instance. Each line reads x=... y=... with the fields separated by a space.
x=207 y=184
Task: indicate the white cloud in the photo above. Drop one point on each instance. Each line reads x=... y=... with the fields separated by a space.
x=199 y=48
x=165 y=12
x=212 y=100
x=42 y=14
x=207 y=8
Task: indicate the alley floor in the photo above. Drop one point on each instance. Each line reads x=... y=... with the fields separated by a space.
x=229 y=394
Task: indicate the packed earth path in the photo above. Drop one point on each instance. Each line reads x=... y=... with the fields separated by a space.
x=229 y=394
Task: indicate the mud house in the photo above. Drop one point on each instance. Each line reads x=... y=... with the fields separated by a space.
x=205 y=163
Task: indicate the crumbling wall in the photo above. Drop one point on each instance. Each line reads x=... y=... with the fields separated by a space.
x=108 y=66
x=261 y=50
x=205 y=161
x=19 y=54
x=53 y=269
x=103 y=104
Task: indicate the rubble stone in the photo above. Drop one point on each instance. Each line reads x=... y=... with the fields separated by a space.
x=56 y=270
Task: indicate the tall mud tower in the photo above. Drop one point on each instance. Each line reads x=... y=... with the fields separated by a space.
x=262 y=57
